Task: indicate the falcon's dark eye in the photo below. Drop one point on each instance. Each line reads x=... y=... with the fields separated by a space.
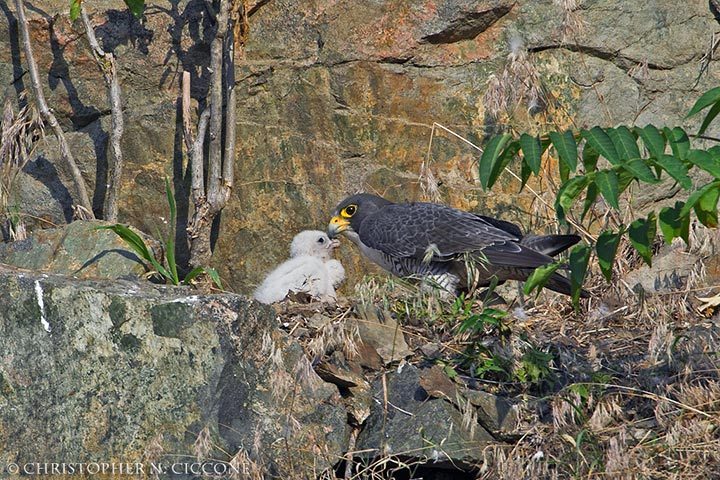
x=321 y=240
x=349 y=211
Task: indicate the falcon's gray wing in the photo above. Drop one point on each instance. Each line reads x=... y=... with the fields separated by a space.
x=409 y=230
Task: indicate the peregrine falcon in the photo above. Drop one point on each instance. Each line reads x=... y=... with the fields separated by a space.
x=310 y=269
x=440 y=242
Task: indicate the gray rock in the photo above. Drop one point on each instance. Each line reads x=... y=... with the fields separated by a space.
x=458 y=20
x=77 y=249
x=381 y=331
x=125 y=367
x=670 y=270
x=414 y=425
x=494 y=413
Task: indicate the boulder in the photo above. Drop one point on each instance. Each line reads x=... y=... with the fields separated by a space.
x=79 y=249
x=131 y=372
x=413 y=425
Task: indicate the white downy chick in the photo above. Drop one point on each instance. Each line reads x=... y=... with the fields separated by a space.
x=310 y=269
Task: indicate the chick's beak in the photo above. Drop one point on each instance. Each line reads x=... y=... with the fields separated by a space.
x=337 y=226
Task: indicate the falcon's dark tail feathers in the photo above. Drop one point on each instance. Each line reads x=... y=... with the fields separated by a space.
x=552 y=245
x=549 y=245
x=560 y=284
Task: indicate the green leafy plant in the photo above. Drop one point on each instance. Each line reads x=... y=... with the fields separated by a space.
x=535 y=366
x=169 y=271
x=486 y=321
x=137 y=7
x=631 y=154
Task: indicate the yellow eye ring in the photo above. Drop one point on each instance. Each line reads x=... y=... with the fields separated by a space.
x=349 y=211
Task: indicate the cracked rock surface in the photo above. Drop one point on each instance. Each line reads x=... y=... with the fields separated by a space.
x=338 y=96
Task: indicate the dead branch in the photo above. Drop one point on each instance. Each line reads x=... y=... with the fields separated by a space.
x=214 y=196
x=210 y=195
x=107 y=64
x=49 y=116
x=187 y=127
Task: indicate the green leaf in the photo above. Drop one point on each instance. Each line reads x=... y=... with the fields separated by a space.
x=566 y=147
x=653 y=140
x=625 y=142
x=564 y=171
x=709 y=118
x=136 y=243
x=601 y=142
x=589 y=158
x=214 y=276
x=507 y=154
x=540 y=276
x=707 y=160
x=211 y=272
x=579 y=260
x=532 y=152
x=190 y=276
x=590 y=197
x=640 y=170
x=136 y=7
x=568 y=192
x=679 y=141
x=672 y=225
x=172 y=266
x=708 y=98
x=525 y=173
x=131 y=238
x=675 y=168
x=695 y=196
x=625 y=178
x=75 y=7
x=606 y=248
x=706 y=208
x=491 y=156
x=642 y=234
x=170 y=242
x=607 y=182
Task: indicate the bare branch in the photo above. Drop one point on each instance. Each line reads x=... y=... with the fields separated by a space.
x=48 y=115
x=216 y=108
x=208 y=202
x=196 y=160
x=106 y=61
x=187 y=128
x=230 y=128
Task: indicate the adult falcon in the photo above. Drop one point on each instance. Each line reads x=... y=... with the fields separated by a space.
x=433 y=240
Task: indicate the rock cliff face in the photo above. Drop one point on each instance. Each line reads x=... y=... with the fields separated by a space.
x=336 y=96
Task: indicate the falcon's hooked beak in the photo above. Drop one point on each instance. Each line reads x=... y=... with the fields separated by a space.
x=337 y=226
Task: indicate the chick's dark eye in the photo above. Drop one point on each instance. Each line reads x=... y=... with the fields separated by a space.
x=321 y=240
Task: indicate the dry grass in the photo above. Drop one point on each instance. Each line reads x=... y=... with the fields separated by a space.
x=518 y=84
x=19 y=135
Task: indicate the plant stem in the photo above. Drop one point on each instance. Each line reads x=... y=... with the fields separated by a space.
x=209 y=202
x=106 y=61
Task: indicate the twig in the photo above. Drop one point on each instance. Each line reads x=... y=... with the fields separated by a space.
x=709 y=55
x=187 y=127
x=106 y=62
x=49 y=116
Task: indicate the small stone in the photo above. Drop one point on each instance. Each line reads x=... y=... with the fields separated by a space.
x=381 y=331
